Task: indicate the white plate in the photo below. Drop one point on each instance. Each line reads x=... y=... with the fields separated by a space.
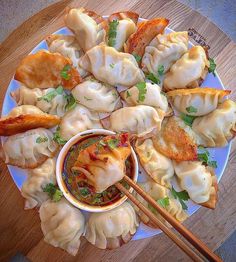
x=219 y=154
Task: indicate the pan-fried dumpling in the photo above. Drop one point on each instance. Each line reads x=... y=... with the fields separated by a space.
x=164 y=50
x=112 y=67
x=108 y=165
x=52 y=101
x=189 y=71
x=146 y=31
x=153 y=97
x=29 y=149
x=157 y=166
x=140 y=120
x=159 y=193
x=62 y=225
x=111 y=229
x=97 y=96
x=67 y=46
x=38 y=178
x=196 y=101
x=217 y=128
x=123 y=29
x=176 y=140
x=77 y=120
x=44 y=69
x=26 y=117
x=199 y=181
x=88 y=27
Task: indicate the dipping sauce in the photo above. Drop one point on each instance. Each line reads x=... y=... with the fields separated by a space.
x=77 y=183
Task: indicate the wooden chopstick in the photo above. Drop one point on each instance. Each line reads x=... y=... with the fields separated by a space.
x=197 y=243
x=161 y=225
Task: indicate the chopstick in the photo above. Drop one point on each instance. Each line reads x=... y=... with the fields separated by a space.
x=197 y=243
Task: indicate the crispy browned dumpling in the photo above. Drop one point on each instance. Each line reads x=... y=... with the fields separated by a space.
x=45 y=69
x=176 y=140
x=124 y=14
x=26 y=117
x=146 y=31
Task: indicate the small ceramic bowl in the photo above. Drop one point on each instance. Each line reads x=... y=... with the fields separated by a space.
x=59 y=170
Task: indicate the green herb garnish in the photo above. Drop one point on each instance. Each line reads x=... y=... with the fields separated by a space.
x=53 y=191
x=164 y=202
x=204 y=157
x=41 y=139
x=52 y=94
x=84 y=192
x=128 y=94
x=212 y=67
x=112 y=65
x=191 y=109
x=142 y=91
x=160 y=70
x=137 y=57
x=57 y=137
x=71 y=102
x=112 y=32
x=65 y=72
x=188 y=120
x=181 y=196
x=153 y=78
x=113 y=143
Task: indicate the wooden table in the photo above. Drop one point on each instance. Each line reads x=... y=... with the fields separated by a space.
x=20 y=230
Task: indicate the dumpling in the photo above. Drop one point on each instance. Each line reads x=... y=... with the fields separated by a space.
x=199 y=181
x=38 y=178
x=62 y=225
x=112 y=67
x=140 y=120
x=196 y=101
x=77 y=120
x=45 y=69
x=29 y=149
x=176 y=140
x=102 y=164
x=159 y=192
x=153 y=97
x=157 y=166
x=121 y=26
x=26 y=117
x=217 y=128
x=67 y=46
x=189 y=71
x=49 y=100
x=97 y=96
x=111 y=229
x=164 y=50
x=146 y=31
x=88 y=27
x=123 y=15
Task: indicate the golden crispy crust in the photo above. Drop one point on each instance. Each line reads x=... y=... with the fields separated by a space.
x=43 y=70
x=199 y=90
x=174 y=142
x=124 y=14
x=146 y=31
x=14 y=125
x=211 y=203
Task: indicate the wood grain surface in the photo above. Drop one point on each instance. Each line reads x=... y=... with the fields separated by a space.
x=20 y=230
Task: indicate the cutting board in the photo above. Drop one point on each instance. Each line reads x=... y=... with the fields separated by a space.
x=20 y=230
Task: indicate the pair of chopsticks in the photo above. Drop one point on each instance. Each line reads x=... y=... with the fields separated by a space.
x=192 y=239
